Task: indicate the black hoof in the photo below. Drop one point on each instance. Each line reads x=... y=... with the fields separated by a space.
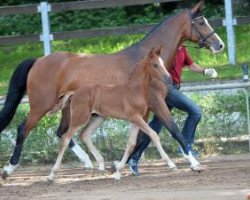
x=4 y=175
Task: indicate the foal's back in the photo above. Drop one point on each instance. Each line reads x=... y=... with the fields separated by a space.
x=123 y=101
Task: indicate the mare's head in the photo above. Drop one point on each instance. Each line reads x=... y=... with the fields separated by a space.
x=200 y=31
x=155 y=65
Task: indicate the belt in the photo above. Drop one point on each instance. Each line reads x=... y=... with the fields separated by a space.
x=176 y=85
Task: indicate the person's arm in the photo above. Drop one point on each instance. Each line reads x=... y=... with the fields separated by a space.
x=196 y=68
x=206 y=71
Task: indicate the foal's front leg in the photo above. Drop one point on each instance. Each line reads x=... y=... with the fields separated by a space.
x=155 y=138
x=130 y=146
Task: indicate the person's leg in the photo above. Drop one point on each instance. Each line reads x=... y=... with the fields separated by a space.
x=182 y=102
x=143 y=141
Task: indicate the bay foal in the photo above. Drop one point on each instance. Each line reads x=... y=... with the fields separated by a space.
x=128 y=101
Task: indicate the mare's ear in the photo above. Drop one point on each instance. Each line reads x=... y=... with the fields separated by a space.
x=151 y=53
x=197 y=8
x=159 y=51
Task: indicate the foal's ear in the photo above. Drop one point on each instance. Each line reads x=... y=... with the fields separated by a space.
x=159 y=51
x=197 y=8
x=151 y=53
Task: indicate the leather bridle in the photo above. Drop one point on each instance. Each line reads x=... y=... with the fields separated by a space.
x=202 y=40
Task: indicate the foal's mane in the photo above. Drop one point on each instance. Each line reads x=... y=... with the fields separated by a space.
x=142 y=65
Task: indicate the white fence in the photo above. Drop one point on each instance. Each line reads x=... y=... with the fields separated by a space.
x=191 y=87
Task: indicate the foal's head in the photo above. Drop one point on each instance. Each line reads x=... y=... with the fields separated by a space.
x=155 y=65
x=200 y=31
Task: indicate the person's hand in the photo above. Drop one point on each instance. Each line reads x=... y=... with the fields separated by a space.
x=210 y=72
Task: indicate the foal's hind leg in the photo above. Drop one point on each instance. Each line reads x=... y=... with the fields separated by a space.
x=94 y=123
x=64 y=143
x=62 y=129
x=23 y=132
x=80 y=114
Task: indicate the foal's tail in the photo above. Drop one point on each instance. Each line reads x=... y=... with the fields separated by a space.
x=62 y=102
x=17 y=88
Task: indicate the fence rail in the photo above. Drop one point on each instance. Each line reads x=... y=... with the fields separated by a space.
x=190 y=87
x=122 y=30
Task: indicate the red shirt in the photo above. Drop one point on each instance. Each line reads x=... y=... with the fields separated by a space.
x=181 y=60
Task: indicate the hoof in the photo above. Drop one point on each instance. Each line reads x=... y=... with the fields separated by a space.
x=117 y=176
x=50 y=179
x=87 y=168
x=101 y=172
x=113 y=168
x=198 y=168
x=101 y=167
x=173 y=169
x=5 y=175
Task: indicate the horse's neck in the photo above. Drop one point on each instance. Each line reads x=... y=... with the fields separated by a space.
x=169 y=34
x=140 y=80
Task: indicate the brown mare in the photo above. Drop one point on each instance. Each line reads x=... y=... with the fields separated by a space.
x=127 y=101
x=50 y=77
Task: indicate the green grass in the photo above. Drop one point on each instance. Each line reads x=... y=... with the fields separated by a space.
x=11 y=56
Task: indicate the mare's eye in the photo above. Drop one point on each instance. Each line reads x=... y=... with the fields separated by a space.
x=156 y=65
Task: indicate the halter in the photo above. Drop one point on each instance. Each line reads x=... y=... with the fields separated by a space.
x=202 y=40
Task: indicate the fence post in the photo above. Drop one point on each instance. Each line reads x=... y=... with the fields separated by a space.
x=248 y=115
x=44 y=8
x=229 y=22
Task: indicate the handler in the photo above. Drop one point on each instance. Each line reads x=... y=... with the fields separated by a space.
x=175 y=99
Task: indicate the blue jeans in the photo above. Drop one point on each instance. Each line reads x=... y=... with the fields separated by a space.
x=175 y=99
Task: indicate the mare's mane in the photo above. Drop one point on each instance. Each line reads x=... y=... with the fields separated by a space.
x=164 y=21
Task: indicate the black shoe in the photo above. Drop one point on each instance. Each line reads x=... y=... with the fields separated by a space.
x=133 y=167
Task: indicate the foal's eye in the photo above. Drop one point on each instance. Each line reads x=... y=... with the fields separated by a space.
x=156 y=65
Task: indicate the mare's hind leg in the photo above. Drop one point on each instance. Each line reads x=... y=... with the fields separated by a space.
x=23 y=132
x=62 y=129
x=85 y=135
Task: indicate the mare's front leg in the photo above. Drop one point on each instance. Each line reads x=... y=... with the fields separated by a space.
x=62 y=129
x=159 y=107
x=94 y=123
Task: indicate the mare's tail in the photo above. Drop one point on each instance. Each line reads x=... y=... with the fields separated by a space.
x=17 y=88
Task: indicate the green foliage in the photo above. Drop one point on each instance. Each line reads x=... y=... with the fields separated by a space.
x=80 y=19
